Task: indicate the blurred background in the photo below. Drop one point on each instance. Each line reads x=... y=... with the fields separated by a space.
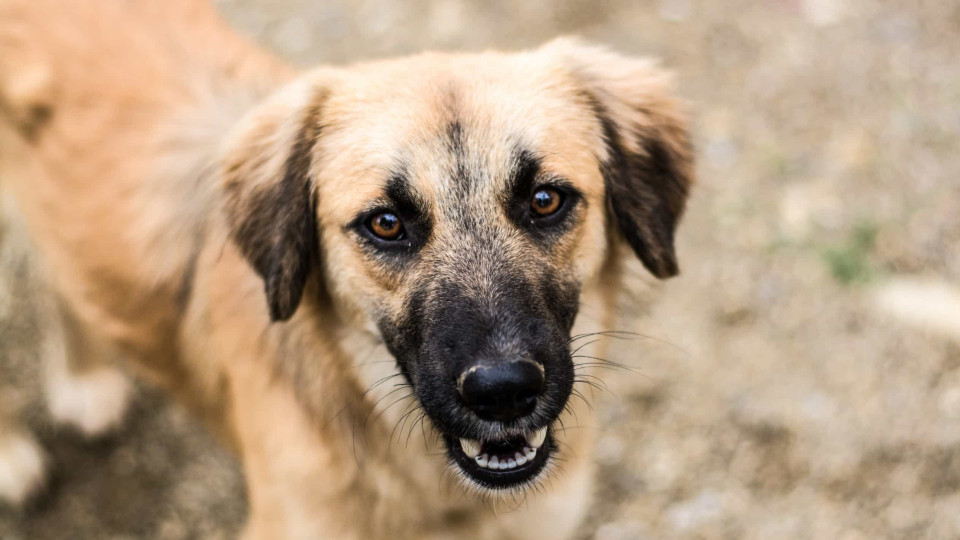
x=801 y=379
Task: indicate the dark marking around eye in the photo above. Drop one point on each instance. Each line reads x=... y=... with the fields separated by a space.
x=526 y=169
x=398 y=224
x=537 y=206
x=408 y=203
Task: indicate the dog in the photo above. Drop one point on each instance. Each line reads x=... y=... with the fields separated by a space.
x=366 y=280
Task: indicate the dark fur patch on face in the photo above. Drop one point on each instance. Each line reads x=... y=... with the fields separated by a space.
x=646 y=192
x=523 y=178
x=447 y=327
x=524 y=182
x=415 y=216
x=276 y=228
x=455 y=141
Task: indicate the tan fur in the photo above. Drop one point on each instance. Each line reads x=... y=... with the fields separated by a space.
x=116 y=120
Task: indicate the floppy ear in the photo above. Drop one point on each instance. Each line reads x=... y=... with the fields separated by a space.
x=647 y=159
x=269 y=197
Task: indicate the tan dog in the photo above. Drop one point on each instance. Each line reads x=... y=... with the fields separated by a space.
x=365 y=279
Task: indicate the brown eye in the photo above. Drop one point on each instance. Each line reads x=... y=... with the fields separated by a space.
x=545 y=201
x=386 y=225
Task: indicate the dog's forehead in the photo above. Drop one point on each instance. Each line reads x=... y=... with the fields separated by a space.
x=440 y=121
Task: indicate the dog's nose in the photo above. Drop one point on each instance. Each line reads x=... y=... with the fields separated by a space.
x=502 y=391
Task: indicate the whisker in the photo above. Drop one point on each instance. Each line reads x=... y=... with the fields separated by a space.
x=402 y=420
x=423 y=429
x=374 y=408
x=593 y=390
x=379 y=382
x=413 y=425
x=626 y=335
x=578 y=394
x=385 y=409
x=587 y=344
x=607 y=363
x=599 y=384
x=616 y=334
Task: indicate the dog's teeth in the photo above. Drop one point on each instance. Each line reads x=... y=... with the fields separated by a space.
x=536 y=438
x=504 y=462
x=470 y=447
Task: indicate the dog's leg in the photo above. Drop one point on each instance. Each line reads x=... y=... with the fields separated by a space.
x=22 y=464
x=22 y=460
x=84 y=388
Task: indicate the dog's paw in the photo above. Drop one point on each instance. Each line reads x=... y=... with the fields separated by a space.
x=93 y=402
x=22 y=468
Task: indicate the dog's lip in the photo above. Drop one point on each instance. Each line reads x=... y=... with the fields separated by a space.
x=498 y=479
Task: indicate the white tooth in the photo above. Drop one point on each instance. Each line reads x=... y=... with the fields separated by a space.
x=521 y=459
x=494 y=463
x=504 y=465
x=529 y=452
x=470 y=447
x=512 y=463
x=536 y=438
x=482 y=460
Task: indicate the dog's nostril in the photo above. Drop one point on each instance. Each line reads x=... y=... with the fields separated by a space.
x=503 y=392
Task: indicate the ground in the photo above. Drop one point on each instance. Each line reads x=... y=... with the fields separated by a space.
x=778 y=395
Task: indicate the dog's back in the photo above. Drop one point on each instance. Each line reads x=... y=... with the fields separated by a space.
x=111 y=116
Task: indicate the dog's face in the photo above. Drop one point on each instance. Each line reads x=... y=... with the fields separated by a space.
x=457 y=205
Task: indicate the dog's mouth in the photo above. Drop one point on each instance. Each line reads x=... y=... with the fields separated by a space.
x=502 y=463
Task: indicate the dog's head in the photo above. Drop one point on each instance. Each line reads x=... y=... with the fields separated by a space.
x=458 y=204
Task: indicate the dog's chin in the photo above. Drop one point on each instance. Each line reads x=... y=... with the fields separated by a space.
x=509 y=463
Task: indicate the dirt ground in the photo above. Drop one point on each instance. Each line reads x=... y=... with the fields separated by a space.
x=776 y=398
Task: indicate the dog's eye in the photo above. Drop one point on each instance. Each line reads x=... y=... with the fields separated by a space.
x=546 y=201
x=386 y=226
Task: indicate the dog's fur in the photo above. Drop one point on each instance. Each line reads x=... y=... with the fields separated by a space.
x=194 y=204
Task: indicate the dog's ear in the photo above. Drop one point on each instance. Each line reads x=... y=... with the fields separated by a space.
x=646 y=159
x=269 y=197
